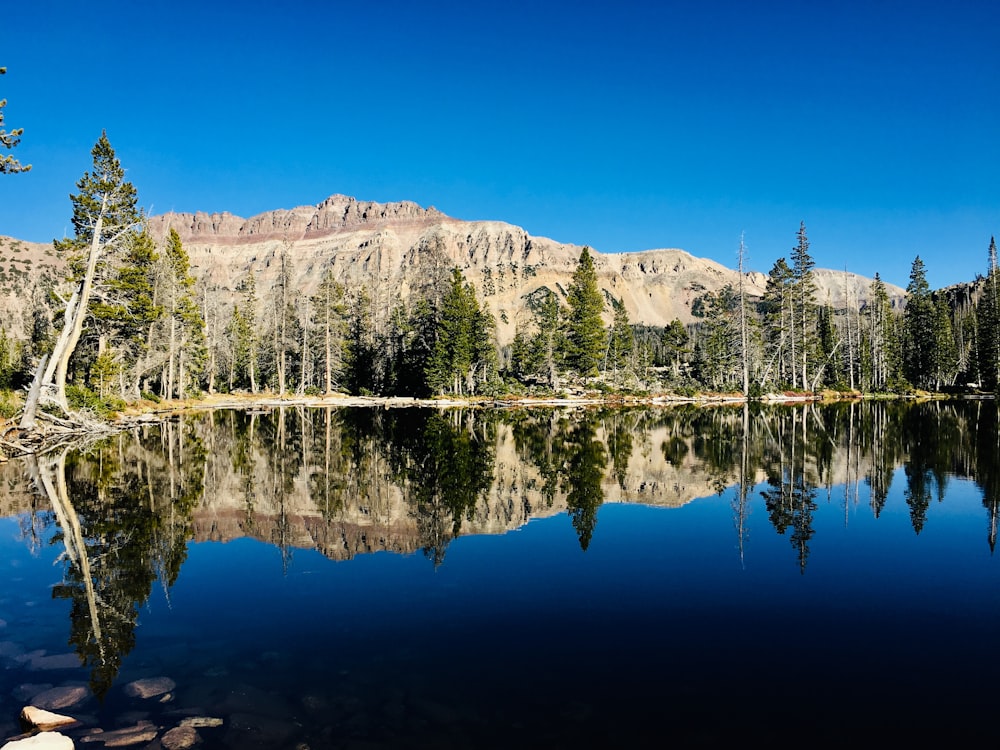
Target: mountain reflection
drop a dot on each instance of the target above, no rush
(347, 481)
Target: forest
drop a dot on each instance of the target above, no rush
(130, 321)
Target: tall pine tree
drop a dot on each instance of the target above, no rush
(988, 324)
(586, 334)
(919, 321)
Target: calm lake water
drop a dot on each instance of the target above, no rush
(377, 578)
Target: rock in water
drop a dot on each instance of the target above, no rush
(42, 719)
(149, 687)
(61, 697)
(42, 741)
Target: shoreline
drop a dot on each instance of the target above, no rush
(148, 411)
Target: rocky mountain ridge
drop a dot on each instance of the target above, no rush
(388, 247)
(391, 248)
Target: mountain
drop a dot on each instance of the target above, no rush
(393, 247)
(390, 247)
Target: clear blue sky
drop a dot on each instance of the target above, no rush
(622, 125)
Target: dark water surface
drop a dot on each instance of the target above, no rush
(369, 578)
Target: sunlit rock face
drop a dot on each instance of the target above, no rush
(396, 247)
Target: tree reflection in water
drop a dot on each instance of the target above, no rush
(123, 508)
(352, 480)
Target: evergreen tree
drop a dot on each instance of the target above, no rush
(945, 351)
(242, 332)
(329, 321)
(361, 352)
(675, 345)
(884, 357)
(718, 364)
(586, 335)
(9, 139)
(778, 328)
(106, 222)
(185, 334)
(804, 311)
(125, 316)
(919, 322)
(464, 343)
(621, 342)
(549, 344)
(988, 325)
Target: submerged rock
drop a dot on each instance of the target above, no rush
(144, 731)
(201, 721)
(42, 741)
(150, 687)
(42, 719)
(180, 738)
(61, 697)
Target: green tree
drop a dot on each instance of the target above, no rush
(884, 358)
(621, 342)
(125, 316)
(804, 309)
(586, 334)
(185, 335)
(361, 350)
(776, 309)
(9, 139)
(919, 321)
(463, 354)
(106, 223)
(945, 350)
(988, 324)
(675, 345)
(329, 319)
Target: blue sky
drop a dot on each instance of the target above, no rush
(621, 125)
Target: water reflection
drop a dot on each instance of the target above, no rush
(351, 481)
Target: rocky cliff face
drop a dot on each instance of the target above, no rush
(390, 248)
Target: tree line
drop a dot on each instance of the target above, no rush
(130, 320)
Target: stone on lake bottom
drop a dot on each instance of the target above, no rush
(61, 697)
(201, 721)
(141, 732)
(42, 741)
(149, 687)
(42, 719)
(180, 738)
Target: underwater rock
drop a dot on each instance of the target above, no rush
(61, 697)
(44, 720)
(42, 741)
(150, 687)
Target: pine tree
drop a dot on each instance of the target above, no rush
(944, 352)
(360, 351)
(106, 222)
(883, 352)
(804, 315)
(329, 320)
(778, 327)
(621, 342)
(8, 140)
(185, 335)
(919, 328)
(586, 335)
(988, 324)
(464, 342)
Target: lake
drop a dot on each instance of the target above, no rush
(556, 577)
